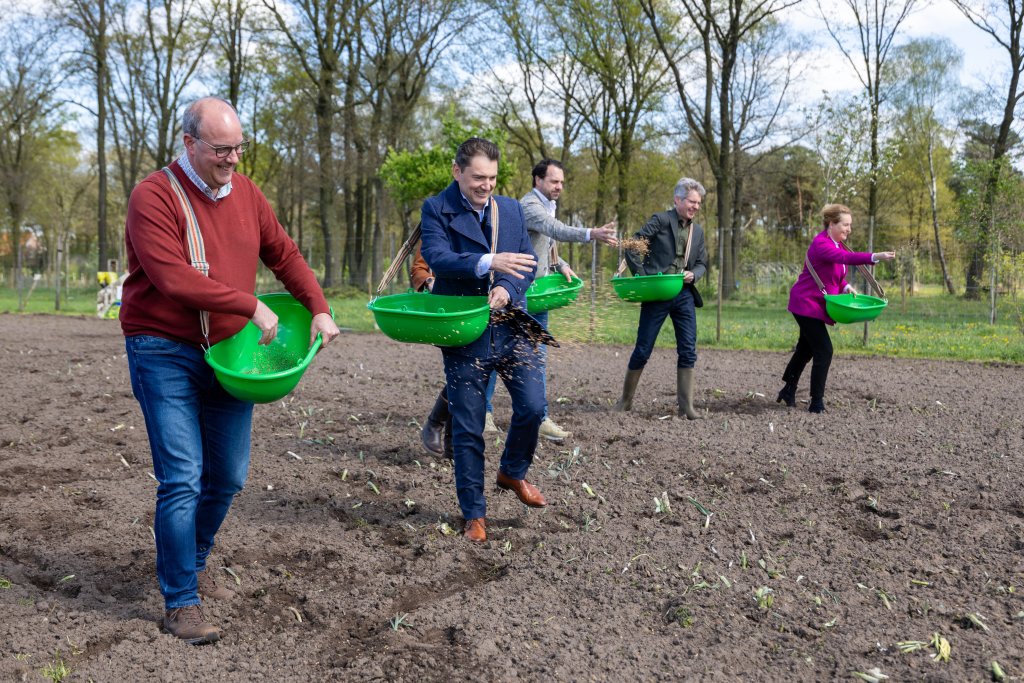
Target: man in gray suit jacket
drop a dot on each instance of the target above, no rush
(675, 245)
(545, 230)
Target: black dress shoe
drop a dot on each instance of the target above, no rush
(787, 395)
(432, 436)
(817, 405)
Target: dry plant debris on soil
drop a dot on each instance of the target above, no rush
(879, 541)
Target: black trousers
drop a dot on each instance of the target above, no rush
(814, 345)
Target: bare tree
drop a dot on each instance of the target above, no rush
(765, 69)
(517, 98)
(91, 21)
(537, 101)
(401, 46)
(233, 30)
(1003, 21)
(874, 25)
(323, 36)
(130, 117)
(623, 67)
(29, 79)
(176, 42)
(708, 90)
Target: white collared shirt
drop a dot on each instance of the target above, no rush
(186, 166)
(550, 204)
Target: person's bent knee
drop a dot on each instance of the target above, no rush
(532, 412)
(638, 361)
(233, 485)
(179, 490)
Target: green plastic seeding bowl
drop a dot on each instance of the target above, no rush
(263, 374)
(847, 308)
(660, 287)
(425, 318)
(552, 291)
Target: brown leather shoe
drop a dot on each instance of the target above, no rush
(209, 588)
(189, 624)
(476, 530)
(432, 436)
(527, 493)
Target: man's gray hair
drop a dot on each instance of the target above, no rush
(191, 119)
(687, 185)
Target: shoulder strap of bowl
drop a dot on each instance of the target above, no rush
(494, 232)
(814, 273)
(689, 242)
(194, 237)
(868, 276)
(399, 259)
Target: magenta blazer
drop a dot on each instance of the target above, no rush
(829, 261)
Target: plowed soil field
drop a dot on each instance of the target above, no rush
(761, 543)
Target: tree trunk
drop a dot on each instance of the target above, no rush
(736, 243)
(933, 197)
(101, 135)
(325, 150)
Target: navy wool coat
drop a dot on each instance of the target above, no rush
(454, 240)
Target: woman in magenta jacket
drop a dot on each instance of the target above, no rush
(830, 258)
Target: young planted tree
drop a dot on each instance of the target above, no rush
(985, 218)
(927, 69)
(412, 176)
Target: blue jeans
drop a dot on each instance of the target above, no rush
(492, 381)
(516, 362)
(652, 317)
(199, 437)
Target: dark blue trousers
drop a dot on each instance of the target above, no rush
(520, 368)
(542, 318)
(684, 320)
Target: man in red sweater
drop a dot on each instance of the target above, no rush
(198, 434)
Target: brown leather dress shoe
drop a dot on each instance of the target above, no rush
(527, 493)
(476, 530)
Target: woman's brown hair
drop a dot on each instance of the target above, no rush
(831, 213)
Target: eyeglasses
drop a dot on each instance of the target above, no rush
(224, 151)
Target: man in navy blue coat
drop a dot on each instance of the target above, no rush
(472, 256)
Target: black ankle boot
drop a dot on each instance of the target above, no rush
(788, 395)
(817, 405)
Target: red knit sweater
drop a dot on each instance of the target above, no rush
(163, 293)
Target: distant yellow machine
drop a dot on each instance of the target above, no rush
(106, 277)
(108, 299)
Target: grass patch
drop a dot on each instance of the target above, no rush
(930, 324)
(77, 301)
